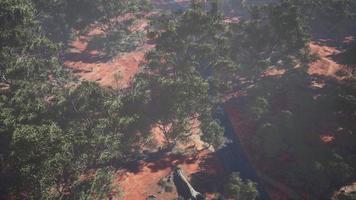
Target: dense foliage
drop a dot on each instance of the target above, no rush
(64, 139)
(61, 19)
(236, 188)
(288, 115)
(59, 139)
(186, 74)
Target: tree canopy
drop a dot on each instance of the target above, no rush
(61, 138)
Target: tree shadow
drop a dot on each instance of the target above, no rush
(171, 5)
(155, 161)
(332, 36)
(170, 161)
(347, 57)
(208, 179)
(138, 161)
(86, 57)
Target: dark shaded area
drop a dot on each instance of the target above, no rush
(169, 161)
(85, 57)
(118, 38)
(233, 157)
(156, 161)
(206, 182)
(348, 57)
(333, 38)
(59, 18)
(183, 187)
(170, 5)
(288, 135)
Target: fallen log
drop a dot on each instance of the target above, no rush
(184, 188)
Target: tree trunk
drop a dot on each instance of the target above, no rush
(184, 188)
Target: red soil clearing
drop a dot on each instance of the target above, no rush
(90, 64)
(144, 181)
(327, 66)
(140, 185)
(327, 139)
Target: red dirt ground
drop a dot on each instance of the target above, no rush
(143, 182)
(327, 65)
(140, 185)
(89, 65)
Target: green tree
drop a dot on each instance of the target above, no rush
(239, 189)
(61, 18)
(188, 72)
(273, 37)
(59, 138)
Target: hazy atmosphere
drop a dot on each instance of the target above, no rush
(178, 99)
